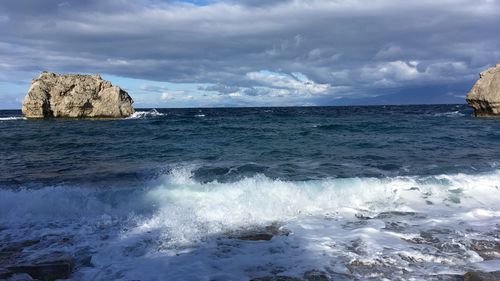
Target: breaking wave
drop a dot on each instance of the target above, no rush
(176, 219)
(450, 114)
(146, 114)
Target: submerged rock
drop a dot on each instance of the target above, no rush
(482, 276)
(57, 265)
(21, 277)
(18, 246)
(316, 275)
(488, 250)
(75, 96)
(276, 278)
(261, 233)
(11, 253)
(256, 237)
(5, 273)
(485, 94)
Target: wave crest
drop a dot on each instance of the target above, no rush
(11, 118)
(153, 113)
(450, 114)
(336, 224)
(256, 200)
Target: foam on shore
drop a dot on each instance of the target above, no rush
(178, 227)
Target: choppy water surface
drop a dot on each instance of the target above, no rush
(358, 193)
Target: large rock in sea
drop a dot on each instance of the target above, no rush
(75, 96)
(485, 94)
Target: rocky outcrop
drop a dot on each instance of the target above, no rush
(53, 266)
(485, 95)
(75, 96)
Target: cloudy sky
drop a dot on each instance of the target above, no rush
(254, 52)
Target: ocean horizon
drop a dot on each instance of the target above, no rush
(17, 111)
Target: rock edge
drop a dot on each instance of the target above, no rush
(484, 96)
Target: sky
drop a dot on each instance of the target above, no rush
(220, 53)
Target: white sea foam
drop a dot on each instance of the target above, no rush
(178, 228)
(146, 114)
(10, 118)
(450, 114)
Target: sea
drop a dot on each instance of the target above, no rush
(340, 193)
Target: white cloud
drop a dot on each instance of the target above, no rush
(296, 82)
(117, 62)
(175, 94)
(166, 96)
(389, 73)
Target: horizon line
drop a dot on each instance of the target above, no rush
(285, 106)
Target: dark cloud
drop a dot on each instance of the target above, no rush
(362, 46)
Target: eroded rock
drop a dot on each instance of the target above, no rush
(261, 233)
(18, 246)
(488, 250)
(316, 275)
(21, 277)
(75, 96)
(482, 276)
(57, 265)
(484, 96)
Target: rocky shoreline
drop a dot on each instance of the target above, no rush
(20, 261)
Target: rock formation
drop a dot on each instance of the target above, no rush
(75, 96)
(485, 95)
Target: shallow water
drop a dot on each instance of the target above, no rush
(359, 193)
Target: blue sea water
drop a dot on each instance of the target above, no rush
(230, 144)
(363, 193)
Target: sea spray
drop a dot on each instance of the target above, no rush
(340, 220)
